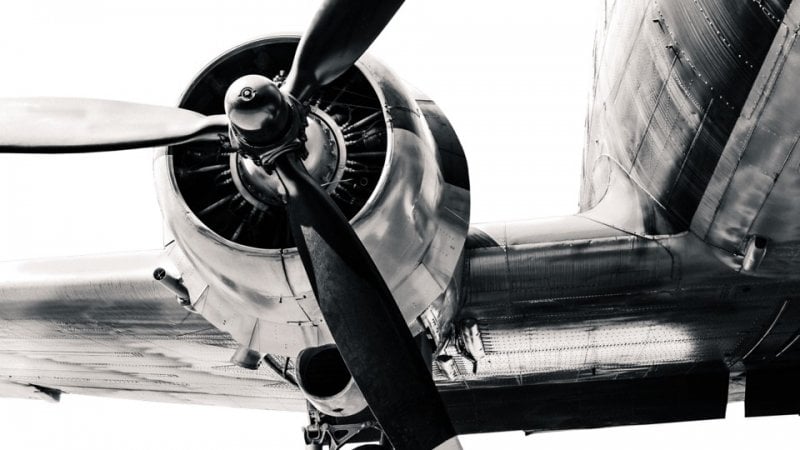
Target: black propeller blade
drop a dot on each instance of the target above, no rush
(339, 34)
(363, 318)
(362, 315)
(71, 125)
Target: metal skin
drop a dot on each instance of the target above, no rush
(691, 121)
(413, 225)
(754, 189)
(597, 303)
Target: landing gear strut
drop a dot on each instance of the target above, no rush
(327, 432)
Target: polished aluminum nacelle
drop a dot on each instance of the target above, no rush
(414, 225)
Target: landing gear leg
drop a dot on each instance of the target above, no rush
(326, 432)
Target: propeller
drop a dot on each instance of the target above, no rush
(363, 318)
(339, 34)
(73, 125)
(266, 123)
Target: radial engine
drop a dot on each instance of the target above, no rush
(385, 154)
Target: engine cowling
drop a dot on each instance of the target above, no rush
(386, 155)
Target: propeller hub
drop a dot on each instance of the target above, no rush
(325, 163)
(258, 111)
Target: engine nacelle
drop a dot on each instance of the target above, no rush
(386, 155)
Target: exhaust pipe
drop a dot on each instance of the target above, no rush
(327, 384)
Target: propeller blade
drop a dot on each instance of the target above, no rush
(369, 330)
(338, 35)
(71, 125)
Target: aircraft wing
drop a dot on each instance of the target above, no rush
(101, 325)
(754, 189)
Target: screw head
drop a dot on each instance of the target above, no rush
(247, 94)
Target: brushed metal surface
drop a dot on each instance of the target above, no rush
(754, 188)
(101, 325)
(568, 299)
(671, 78)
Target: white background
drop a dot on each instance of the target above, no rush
(513, 77)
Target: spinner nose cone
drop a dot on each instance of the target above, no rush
(257, 109)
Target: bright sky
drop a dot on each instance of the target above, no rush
(512, 76)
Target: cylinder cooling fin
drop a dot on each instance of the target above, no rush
(239, 200)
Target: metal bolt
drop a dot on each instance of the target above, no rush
(247, 94)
